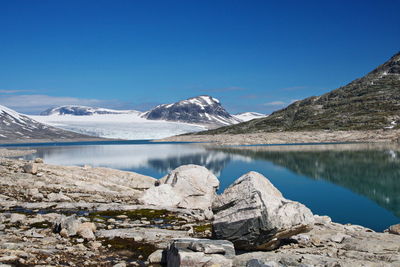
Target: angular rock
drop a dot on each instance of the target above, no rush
(86, 230)
(395, 229)
(38, 160)
(189, 186)
(158, 256)
(67, 226)
(30, 168)
(200, 252)
(254, 215)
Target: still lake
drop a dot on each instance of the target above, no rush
(351, 183)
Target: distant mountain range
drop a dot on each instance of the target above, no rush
(203, 110)
(83, 111)
(15, 126)
(371, 102)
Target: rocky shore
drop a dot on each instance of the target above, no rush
(83, 216)
(290, 137)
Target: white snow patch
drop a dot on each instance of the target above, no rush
(247, 116)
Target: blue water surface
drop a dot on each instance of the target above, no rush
(351, 183)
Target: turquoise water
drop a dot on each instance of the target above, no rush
(352, 183)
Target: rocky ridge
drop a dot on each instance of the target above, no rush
(367, 103)
(84, 111)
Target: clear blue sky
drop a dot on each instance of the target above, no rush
(252, 55)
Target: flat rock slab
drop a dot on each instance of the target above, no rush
(200, 252)
(158, 237)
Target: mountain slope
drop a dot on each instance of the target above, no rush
(200, 110)
(84, 111)
(15, 127)
(371, 102)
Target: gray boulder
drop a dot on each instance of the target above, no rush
(30, 168)
(67, 225)
(254, 215)
(187, 252)
(189, 187)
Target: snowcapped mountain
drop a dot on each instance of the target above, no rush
(15, 127)
(204, 110)
(84, 110)
(248, 116)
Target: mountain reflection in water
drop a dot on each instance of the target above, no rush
(370, 170)
(352, 183)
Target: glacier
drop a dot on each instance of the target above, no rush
(119, 126)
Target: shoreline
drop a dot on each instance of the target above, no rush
(282, 138)
(20, 142)
(118, 228)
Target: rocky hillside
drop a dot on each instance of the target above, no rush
(371, 102)
(199, 110)
(83, 111)
(15, 127)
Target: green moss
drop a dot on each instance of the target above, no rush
(149, 214)
(202, 228)
(128, 247)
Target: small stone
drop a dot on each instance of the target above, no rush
(86, 233)
(111, 220)
(138, 238)
(122, 216)
(64, 233)
(95, 245)
(120, 264)
(258, 263)
(38, 160)
(157, 256)
(30, 168)
(80, 240)
(338, 238)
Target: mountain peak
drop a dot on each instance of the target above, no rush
(203, 109)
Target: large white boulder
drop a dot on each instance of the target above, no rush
(254, 215)
(189, 187)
